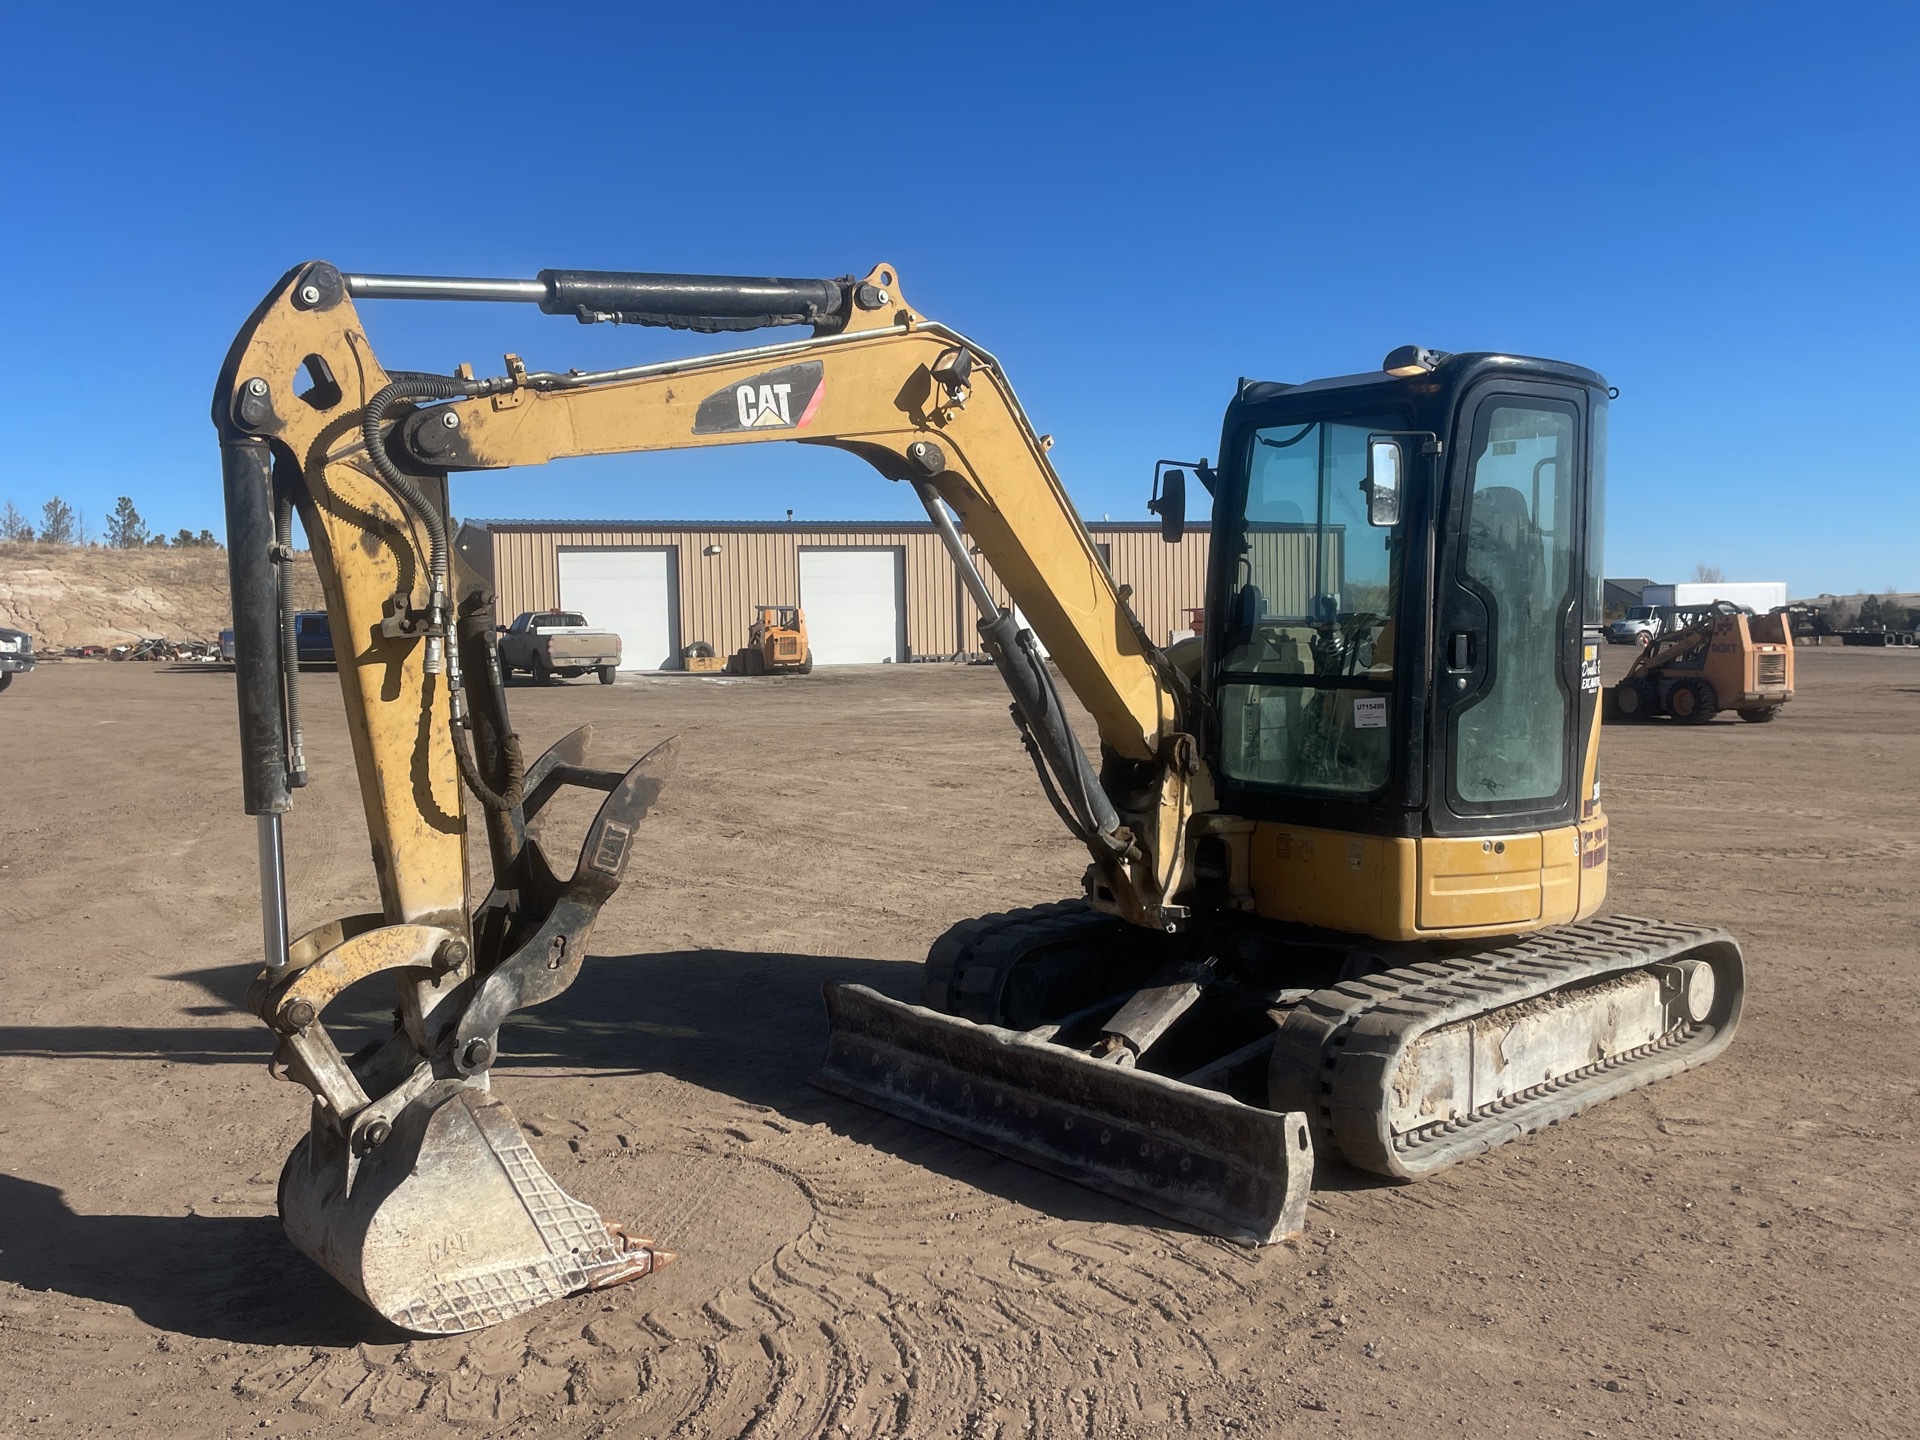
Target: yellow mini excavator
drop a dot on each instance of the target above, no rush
(1346, 845)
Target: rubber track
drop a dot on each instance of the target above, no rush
(1337, 1054)
(967, 968)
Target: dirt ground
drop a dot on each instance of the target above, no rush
(1727, 1253)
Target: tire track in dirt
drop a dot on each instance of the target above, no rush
(854, 1323)
(1736, 1243)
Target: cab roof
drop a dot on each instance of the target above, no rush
(1453, 370)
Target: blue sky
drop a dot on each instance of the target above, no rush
(1712, 204)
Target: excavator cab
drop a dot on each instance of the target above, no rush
(1415, 671)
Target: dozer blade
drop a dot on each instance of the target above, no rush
(1192, 1154)
(452, 1223)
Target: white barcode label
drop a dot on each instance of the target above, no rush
(1370, 712)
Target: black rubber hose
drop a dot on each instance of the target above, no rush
(500, 801)
(1060, 807)
(411, 386)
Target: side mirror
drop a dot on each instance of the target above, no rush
(1383, 481)
(500, 629)
(1170, 504)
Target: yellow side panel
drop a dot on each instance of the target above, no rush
(1399, 889)
(1364, 884)
(1560, 859)
(1490, 880)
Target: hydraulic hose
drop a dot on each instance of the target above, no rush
(500, 801)
(412, 386)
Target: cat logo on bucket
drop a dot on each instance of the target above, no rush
(783, 399)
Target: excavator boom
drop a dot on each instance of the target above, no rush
(406, 1146)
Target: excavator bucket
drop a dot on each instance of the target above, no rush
(414, 1186)
(1189, 1153)
(452, 1224)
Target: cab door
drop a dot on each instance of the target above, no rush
(1505, 715)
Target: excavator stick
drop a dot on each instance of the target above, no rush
(1189, 1153)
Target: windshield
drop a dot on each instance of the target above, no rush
(1308, 652)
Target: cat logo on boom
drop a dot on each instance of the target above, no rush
(783, 399)
(764, 408)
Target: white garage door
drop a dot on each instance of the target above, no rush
(628, 591)
(853, 600)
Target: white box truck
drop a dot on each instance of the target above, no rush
(1759, 596)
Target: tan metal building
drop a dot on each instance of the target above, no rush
(873, 591)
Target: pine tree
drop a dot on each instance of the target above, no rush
(13, 525)
(57, 523)
(125, 529)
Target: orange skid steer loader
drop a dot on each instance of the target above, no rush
(776, 643)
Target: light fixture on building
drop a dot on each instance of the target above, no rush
(711, 550)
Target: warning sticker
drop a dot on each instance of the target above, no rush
(1370, 712)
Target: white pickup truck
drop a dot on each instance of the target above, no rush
(1638, 627)
(16, 655)
(549, 644)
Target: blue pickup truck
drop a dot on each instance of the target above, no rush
(313, 636)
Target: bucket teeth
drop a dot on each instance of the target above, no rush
(452, 1223)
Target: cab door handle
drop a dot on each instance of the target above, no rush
(1460, 649)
